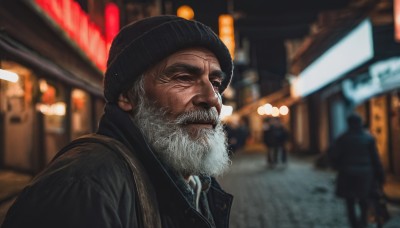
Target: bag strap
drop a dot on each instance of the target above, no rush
(147, 201)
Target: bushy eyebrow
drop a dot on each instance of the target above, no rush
(183, 67)
(218, 74)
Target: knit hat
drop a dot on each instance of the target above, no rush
(144, 43)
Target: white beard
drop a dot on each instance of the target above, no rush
(203, 152)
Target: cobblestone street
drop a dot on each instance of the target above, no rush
(293, 196)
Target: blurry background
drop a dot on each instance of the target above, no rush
(308, 62)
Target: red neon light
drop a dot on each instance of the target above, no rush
(111, 21)
(396, 13)
(76, 23)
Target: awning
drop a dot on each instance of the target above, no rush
(19, 54)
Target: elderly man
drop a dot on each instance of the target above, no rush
(159, 143)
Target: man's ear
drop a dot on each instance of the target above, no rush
(124, 103)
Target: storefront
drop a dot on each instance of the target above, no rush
(18, 116)
(58, 92)
(320, 116)
(364, 79)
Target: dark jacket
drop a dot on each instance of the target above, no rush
(356, 159)
(92, 186)
(275, 136)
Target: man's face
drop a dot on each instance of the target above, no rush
(186, 81)
(177, 111)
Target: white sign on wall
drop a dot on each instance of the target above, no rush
(381, 77)
(350, 52)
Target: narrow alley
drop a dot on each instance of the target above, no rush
(295, 195)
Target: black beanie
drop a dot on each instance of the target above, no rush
(144, 43)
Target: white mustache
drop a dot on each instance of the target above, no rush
(199, 116)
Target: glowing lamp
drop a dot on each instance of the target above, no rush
(261, 111)
(283, 110)
(275, 111)
(186, 12)
(268, 109)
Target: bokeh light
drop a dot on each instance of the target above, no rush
(283, 110)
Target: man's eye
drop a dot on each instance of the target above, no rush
(184, 78)
(216, 84)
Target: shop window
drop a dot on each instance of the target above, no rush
(16, 95)
(16, 116)
(52, 105)
(80, 119)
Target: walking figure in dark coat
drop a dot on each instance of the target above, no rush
(354, 155)
(275, 137)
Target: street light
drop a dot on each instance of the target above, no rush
(261, 111)
(275, 112)
(283, 110)
(186, 12)
(268, 108)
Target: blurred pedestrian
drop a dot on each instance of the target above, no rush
(242, 133)
(231, 133)
(237, 132)
(275, 137)
(354, 155)
(159, 144)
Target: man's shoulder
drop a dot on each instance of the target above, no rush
(87, 161)
(76, 187)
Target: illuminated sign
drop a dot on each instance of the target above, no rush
(350, 52)
(396, 13)
(76, 23)
(111, 22)
(227, 32)
(382, 76)
(8, 76)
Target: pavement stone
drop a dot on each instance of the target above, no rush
(392, 189)
(295, 195)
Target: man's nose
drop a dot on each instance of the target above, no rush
(207, 97)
